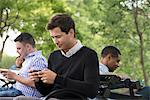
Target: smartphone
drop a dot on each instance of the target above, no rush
(36, 70)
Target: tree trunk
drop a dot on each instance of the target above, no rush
(1, 52)
(141, 41)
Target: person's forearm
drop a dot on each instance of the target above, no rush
(25, 81)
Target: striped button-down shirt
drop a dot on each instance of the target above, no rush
(34, 61)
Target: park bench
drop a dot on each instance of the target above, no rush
(107, 83)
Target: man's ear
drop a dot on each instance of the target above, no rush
(108, 56)
(28, 46)
(71, 32)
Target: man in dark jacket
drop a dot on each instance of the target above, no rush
(72, 66)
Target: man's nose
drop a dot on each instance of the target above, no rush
(117, 64)
(55, 40)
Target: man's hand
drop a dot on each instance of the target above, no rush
(9, 74)
(33, 74)
(47, 76)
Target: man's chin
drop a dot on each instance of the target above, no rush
(59, 48)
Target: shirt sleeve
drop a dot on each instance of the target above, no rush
(39, 63)
(44, 89)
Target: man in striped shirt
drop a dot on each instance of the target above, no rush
(34, 60)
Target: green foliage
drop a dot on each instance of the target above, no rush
(7, 61)
(98, 23)
(110, 23)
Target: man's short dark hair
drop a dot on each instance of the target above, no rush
(110, 50)
(63, 21)
(26, 38)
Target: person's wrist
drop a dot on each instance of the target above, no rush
(59, 79)
(54, 77)
(15, 76)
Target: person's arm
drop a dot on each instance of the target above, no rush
(14, 76)
(88, 87)
(38, 64)
(44, 88)
(25, 81)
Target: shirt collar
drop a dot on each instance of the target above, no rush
(103, 69)
(33, 54)
(73, 50)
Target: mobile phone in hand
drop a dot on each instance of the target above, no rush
(36, 70)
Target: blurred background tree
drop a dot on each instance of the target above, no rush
(122, 23)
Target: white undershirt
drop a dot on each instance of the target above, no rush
(103, 69)
(73, 50)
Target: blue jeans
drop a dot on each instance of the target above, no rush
(9, 92)
(145, 92)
